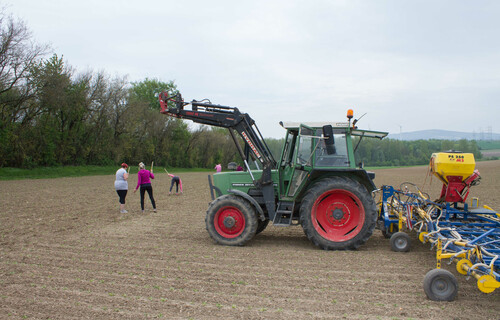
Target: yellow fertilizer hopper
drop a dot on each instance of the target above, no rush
(457, 172)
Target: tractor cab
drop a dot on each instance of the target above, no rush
(315, 148)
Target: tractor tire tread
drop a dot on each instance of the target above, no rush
(250, 220)
(340, 183)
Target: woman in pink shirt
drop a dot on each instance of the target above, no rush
(218, 168)
(143, 181)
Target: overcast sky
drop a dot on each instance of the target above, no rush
(410, 65)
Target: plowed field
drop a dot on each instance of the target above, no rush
(67, 253)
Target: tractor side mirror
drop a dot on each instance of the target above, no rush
(329, 142)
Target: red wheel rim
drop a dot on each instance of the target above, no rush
(229, 222)
(338, 215)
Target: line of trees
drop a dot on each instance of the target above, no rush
(50, 115)
(390, 152)
(90, 118)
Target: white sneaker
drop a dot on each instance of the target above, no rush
(154, 210)
(123, 211)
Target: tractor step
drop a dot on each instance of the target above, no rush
(284, 214)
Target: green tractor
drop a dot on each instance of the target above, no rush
(316, 182)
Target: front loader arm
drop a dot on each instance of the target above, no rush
(220, 116)
(204, 112)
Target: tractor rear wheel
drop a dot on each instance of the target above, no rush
(338, 214)
(231, 220)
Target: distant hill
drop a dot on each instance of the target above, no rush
(443, 135)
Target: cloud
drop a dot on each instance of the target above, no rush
(419, 65)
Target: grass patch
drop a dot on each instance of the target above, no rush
(81, 171)
(393, 167)
(77, 171)
(488, 144)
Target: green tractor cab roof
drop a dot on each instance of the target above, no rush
(317, 124)
(354, 130)
(369, 133)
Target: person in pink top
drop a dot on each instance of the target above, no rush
(218, 167)
(144, 182)
(178, 183)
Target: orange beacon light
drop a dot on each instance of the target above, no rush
(350, 114)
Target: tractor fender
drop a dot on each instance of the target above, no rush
(251, 200)
(360, 176)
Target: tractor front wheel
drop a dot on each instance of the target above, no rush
(338, 214)
(231, 220)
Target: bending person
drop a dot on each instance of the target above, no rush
(178, 183)
(143, 181)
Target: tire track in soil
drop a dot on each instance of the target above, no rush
(67, 261)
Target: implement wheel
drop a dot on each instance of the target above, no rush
(231, 220)
(400, 242)
(440, 285)
(338, 214)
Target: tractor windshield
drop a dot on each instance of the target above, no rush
(338, 159)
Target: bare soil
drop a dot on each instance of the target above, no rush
(67, 253)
